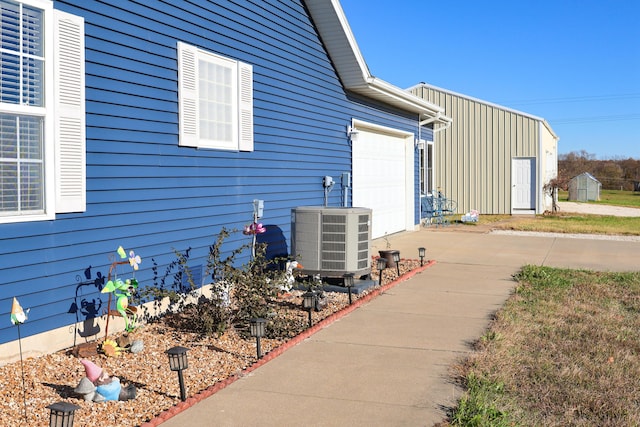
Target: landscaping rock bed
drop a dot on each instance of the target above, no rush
(52, 378)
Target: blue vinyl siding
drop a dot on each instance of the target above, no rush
(146, 193)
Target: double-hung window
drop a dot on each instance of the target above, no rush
(216, 100)
(426, 167)
(41, 111)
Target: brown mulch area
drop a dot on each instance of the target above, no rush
(52, 378)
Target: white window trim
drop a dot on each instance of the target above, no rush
(45, 111)
(242, 140)
(64, 141)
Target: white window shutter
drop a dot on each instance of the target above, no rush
(188, 94)
(69, 113)
(245, 106)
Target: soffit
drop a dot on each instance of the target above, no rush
(334, 30)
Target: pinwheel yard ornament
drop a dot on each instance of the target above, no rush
(254, 228)
(134, 260)
(18, 315)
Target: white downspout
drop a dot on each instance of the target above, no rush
(540, 166)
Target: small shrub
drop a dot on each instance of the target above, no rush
(237, 293)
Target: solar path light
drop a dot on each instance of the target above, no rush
(396, 259)
(421, 254)
(382, 264)
(257, 326)
(348, 282)
(308, 302)
(178, 362)
(62, 414)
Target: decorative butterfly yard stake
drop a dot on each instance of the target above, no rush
(122, 290)
(18, 316)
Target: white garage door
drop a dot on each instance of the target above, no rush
(383, 178)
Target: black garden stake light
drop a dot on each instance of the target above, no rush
(62, 414)
(348, 282)
(396, 259)
(178, 362)
(256, 326)
(421, 254)
(382, 264)
(308, 302)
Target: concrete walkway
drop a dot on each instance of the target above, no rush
(388, 363)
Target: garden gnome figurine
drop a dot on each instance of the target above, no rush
(98, 386)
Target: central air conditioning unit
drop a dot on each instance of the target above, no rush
(332, 241)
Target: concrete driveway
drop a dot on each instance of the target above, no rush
(388, 363)
(591, 208)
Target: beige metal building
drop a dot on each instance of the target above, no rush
(491, 159)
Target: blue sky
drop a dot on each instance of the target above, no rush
(576, 63)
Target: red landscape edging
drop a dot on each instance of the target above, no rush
(182, 406)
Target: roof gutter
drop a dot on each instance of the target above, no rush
(412, 102)
(337, 37)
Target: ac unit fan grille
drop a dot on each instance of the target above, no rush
(333, 247)
(334, 219)
(329, 265)
(333, 256)
(333, 237)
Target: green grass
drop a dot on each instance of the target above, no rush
(611, 197)
(576, 223)
(562, 222)
(563, 351)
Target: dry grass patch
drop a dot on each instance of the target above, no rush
(564, 351)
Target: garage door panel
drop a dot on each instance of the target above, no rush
(379, 180)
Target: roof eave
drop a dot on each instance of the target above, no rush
(334, 30)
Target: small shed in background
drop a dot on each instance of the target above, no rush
(584, 187)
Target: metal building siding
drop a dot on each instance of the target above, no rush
(146, 193)
(473, 157)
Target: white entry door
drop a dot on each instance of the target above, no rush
(383, 177)
(523, 183)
